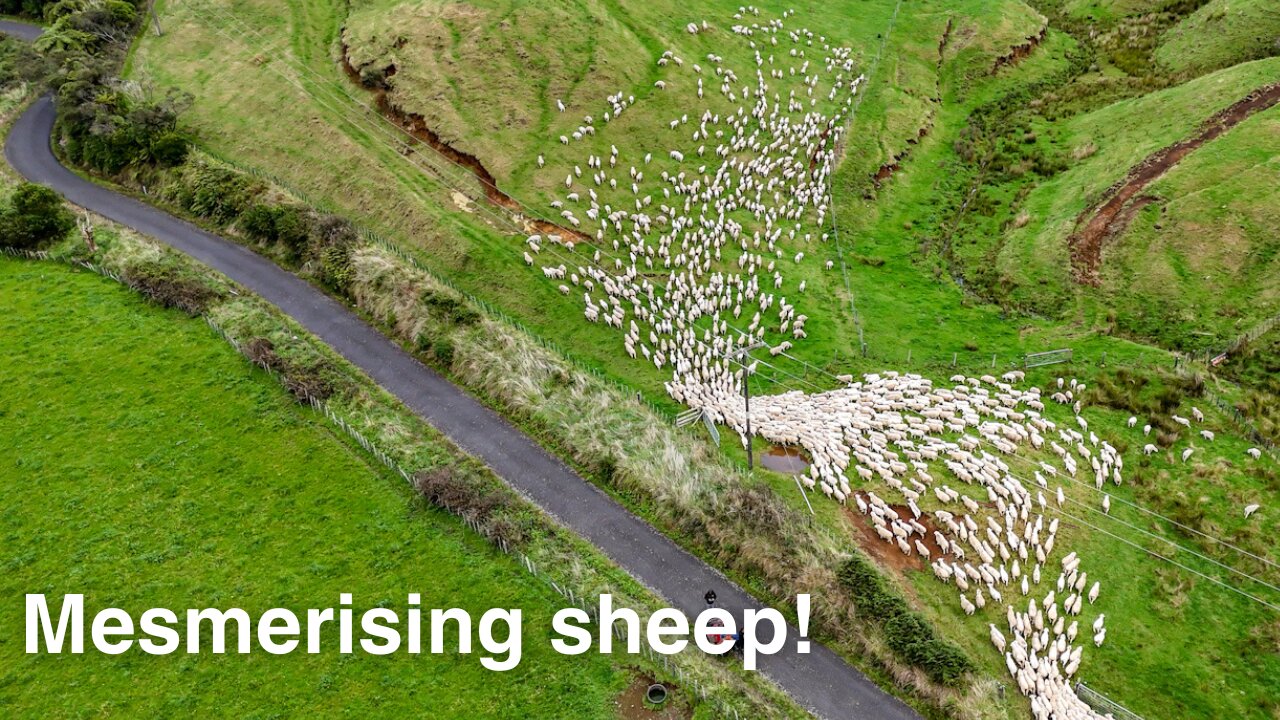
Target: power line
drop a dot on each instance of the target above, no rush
(1153, 513)
(1170, 542)
(1168, 560)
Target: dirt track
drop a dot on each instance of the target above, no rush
(1111, 215)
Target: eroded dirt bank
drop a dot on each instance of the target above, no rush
(416, 126)
(1120, 203)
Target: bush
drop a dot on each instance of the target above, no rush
(167, 287)
(442, 351)
(285, 224)
(34, 217)
(212, 192)
(908, 634)
(871, 596)
(332, 241)
(449, 307)
(912, 638)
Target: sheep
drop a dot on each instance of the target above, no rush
(1254, 453)
(1251, 509)
(1207, 435)
(1187, 453)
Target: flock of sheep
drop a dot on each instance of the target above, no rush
(690, 265)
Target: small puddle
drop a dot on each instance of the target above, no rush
(783, 459)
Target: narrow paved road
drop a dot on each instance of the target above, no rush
(20, 30)
(819, 680)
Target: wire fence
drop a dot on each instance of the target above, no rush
(1103, 704)
(1256, 332)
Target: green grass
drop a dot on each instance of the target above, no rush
(147, 465)
(1220, 34)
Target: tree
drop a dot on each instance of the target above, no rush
(34, 216)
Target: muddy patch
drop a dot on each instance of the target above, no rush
(784, 459)
(887, 170)
(630, 703)
(887, 553)
(1109, 217)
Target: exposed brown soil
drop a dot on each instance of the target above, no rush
(630, 703)
(888, 169)
(1019, 52)
(887, 553)
(946, 38)
(416, 126)
(1111, 215)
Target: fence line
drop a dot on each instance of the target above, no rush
(1103, 704)
(1256, 332)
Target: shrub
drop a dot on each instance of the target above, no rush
(908, 634)
(215, 193)
(871, 596)
(34, 216)
(443, 352)
(167, 287)
(259, 222)
(333, 239)
(285, 224)
(450, 307)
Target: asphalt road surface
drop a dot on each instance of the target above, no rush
(819, 680)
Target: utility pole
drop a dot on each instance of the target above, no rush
(746, 401)
(746, 393)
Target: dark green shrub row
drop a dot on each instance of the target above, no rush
(908, 634)
(319, 242)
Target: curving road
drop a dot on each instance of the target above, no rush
(820, 680)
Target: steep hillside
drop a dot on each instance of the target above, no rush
(1221, 34)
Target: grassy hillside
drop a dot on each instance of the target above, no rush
(1200, 278)
(167, 473)
(306, 126)
(1220, 34)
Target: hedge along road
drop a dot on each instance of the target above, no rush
(819, 680)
